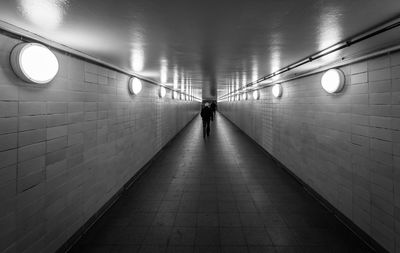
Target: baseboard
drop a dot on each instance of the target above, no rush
(349, 224)
(95, 217)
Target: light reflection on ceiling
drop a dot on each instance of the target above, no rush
(164, 71)
(137, 58)
(46, 14)
(210, 44)
(176, 78)
(330, 30)
(254, 71)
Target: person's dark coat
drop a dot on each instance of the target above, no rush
(213, 107)
(206, 113)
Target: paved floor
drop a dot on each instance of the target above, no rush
(222, 194)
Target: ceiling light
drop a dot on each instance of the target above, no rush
(162, 92)
(34, 63)
(333, 81)
(135, 85)
(277, 90)
(256, 94)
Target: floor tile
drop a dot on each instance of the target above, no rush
(232, 237)
(183, 236)
(158, 235)
(257, 236)
(207, 236)
(207, 219)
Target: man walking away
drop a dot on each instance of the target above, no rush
(206, 115)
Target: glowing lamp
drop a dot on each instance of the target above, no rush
(34, 63)
(135, 85)
(175, 95)
(256, 94)
(333, 81)
(244, 96)
(162, 92)
(277, 90)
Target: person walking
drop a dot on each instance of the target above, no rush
(206, 115)
(213, 109)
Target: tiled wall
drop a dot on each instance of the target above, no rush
(66, 148)
(345, 146)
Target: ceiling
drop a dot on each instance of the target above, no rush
(205, 44)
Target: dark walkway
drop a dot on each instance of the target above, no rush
(219, 195)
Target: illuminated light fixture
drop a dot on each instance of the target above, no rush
(34, 63)
(175, 95)
(333, 81)
(244, 96)
(277, 90)
(135, 85)
(162, 92)
(256, 94)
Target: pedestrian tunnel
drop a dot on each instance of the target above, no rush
(102, 146)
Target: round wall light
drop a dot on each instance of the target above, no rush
(135, 85)
(277, 90)
(256, 94)
(332, 81)
(162, 92)
(244, 96)
(34, 63)
(175, 95)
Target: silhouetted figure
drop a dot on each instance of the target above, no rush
(206, 115)
(213, 109)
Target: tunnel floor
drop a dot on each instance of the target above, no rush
(221, 194)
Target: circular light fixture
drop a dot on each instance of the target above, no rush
(244, 96)
(135, 85)
(256, 94)
(333, 81)
(175, 95)
(162, 92)
(34, 63)
(277, 90)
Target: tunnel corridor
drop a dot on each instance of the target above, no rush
(101, 144)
